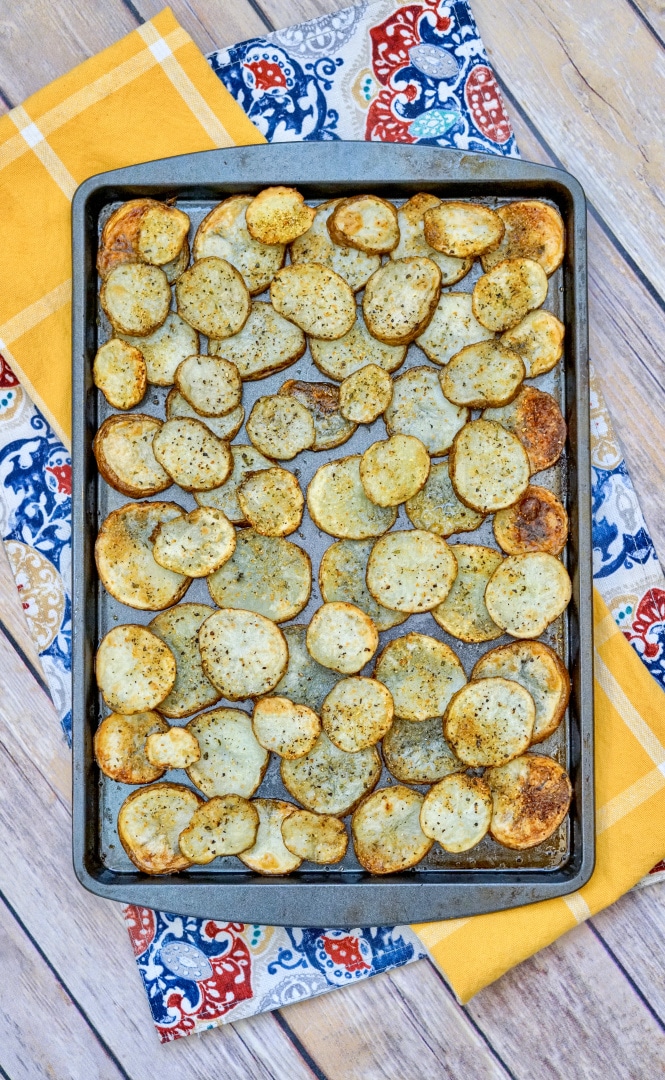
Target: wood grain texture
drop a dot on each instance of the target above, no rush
(654, 13)
(211, 23)
(634, 930)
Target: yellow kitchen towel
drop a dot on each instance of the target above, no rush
(151, 95)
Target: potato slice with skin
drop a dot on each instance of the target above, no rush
(196, 544)
(119, 371)
(400, 299)
(316, 246)
(134, 669)
(540, 671)
(536, 419)
(489, 721)
(452, 328)
(489, 467)
(322, 400)
(342, 577)
(327, 780)
(120, 234)
(457, 812)
(223, 233)
(213, 298)
(483, 375)
(166, 348)
(337, 502)
(528, 592)
(143, 230)
(342, 637)
(386, 831)
(538, 339)
(357, 713)
(422, 675)
(224, 825)
(125, 561)
(315, 298)
(304, 682)
(268, 855)
(162, 232)
(120, 747)
(278, 215)
(365, 394)
(173, 749)
(536, 522)
(531, 796)
(243, 653)
(232, 762)
(437, 509)
(210, 384)
(150, 822)
(266, 574)
(502, 297)
(189, 452)
(224, 427)
(267, 343)
(394, 469)
(288, 729)
(318, 838)
(411, 570)
(463, 613)
(272, 502)
(366, 222)
(280, 427)
(124, 455)
(339, 359)
(463, 228)
(418, 753)
(534, 230)
(246, 459)
(178, 627)
(412, 240)
(420, 408)
(136, 298)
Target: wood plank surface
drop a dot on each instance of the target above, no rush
(211, 23)
(654, 13)
(634, 930)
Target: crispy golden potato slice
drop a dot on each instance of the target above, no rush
(189, 452)
(422, 675)
(394, 469)
(400, 298)
(483, 375)
(246, 460)
(412, 240)
(173, 749)
(534, 230)
(243, 653)
(120, 747)
(278, 215)
(457, 812)
(536, 419)
(149, 824)
(327, 780)
(223, 234)
(316, 246)
(315, 298)
(437, 509)
(288, 729)
(502, 296)
(342, 577)
(339, 359)
(452, 328)
(411, 570)
(337, 502)
(119, 371)
(536, 522)
(269, 856)
(528, 592)
(366, 394)
(342, 637)
(463, 228)
(419, 408)
(136, 298)
(357, 713)
(195, 544)
(210, 384)
(225, 825)
(322, 400)
(265, 574)
(271, 501)
(135, 670)
(489, 721)
(463, 613)
(267, 343)
(177, 266)
(118, 242)
(304, 682)
(166, 348)
(318, 838)
(540, 671)
(224, 427)
(124, 455)
(418, 753)
(162, 233)
(366, 222)
(531, 796)
(125, 562)
(386, 831)
(280, 427)
(178, 627)
(538, 339)
(489, 467)
(232, 762)
(213, 298)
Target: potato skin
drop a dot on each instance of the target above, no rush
(531, 796)
(536, 522)
(106, 470)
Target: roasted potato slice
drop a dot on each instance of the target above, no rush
(357, 713)
(412, 240)
(386, 831)
(534, 230)
(271, 501)
(118, 242)
(411, 570)
(420, 408)
(366, 394)
(531, 796)
(457, 812)
(120, 747)
(437, 509)
(315, 298)
(179, 629)
(366, 222)
(225, 825)
(337, 502)
(288, 729)
(502, 296)
(327, 780)
(322, 400)
(528, 592)
(224, 427)
(246, 460)
(462, 228)
(342, 577)
(173, 749)
(150, 822)
(195, 544)
(536, 419)
(278, 215)
(400, 298)
(339, 359)
(124, 455)
(489, 467)
(318, 838)
(418, 753)
(232, 762)
(135, 670)
(243, 653)
(269, 856)
(305, 682)
(452, 328)
(223, 234)
(489, 721)
(267, 343)
(213, 298)
(265, 574)
(192, 456)
(342, 637)
(394, 469)
(162, 233)
(463, 613)
(136, 298)
(483, 375)
(210, 384)
(125, 562)
(166, 348)
(540, 671)
(316, 246)
(119, 371)
(177, 266)
(538, 339)
(422, 675)
(280, 427)
(536, 522)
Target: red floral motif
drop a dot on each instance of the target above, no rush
(229, 984)
(382, 124)
(344, 952)
(650, 613)
(7, 376)
(658, 868)
(484, 100)
(266, 75)
(63, 477)
(392, 39)
(140, 923)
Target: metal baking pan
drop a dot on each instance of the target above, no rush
(489, 877)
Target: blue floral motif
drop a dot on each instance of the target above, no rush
(620, 539)
(344, 955)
